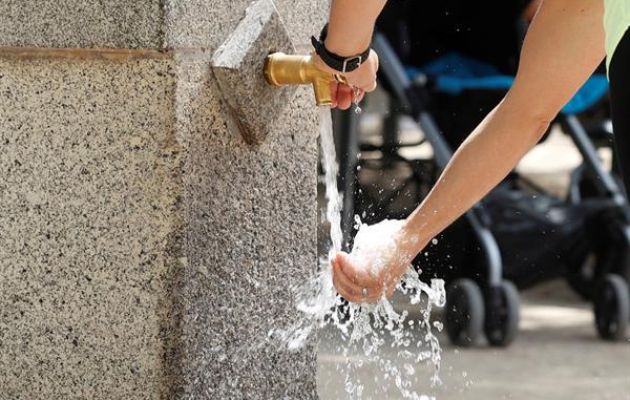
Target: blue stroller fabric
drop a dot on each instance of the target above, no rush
(454, 73)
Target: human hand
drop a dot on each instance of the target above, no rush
(367, 278)
(362, 78)
(354, 281)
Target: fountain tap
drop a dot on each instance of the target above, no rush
(282, 69)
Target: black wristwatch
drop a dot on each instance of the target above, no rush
(335, 61)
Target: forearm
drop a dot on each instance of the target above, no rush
(563, 46)
(483, 160)
(351, 25)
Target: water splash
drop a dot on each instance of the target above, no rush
(331, 170)
(364, 327)
(355, 100)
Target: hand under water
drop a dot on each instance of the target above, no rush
(362, 78)
(351, 275)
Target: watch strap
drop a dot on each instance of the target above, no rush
(335, 61)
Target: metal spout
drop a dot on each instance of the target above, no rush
(282, 69)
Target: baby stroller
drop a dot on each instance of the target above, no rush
(518, 236)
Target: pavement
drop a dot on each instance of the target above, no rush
(557, 356)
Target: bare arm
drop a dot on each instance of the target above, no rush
(530, 10)
(351, 25)
(564, 45)
(350, 29)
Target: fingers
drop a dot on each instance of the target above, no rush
(367, 84)
(353, 293)
(363, 79)
(333, 92)
(358, 276)
(390, 288)
(344, 96)
(357, 285)
(348, 291)
(360, 95)
(364, 82)
(365, 76)
(368, 291)
(344, 285)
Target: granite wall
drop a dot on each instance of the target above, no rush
(146, 246)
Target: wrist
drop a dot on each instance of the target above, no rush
(413, 239)
(351, 36)
(346, 48)
(340, 58)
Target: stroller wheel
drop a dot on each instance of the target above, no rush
(503, 315)
(464, 312)
(612, 307)
(581, 278)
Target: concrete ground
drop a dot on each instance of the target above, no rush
(556, 356)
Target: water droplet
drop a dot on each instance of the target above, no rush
(356, 93)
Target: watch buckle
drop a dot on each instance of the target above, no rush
(359, 60)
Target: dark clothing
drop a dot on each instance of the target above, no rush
(619, 75)
(486, 30)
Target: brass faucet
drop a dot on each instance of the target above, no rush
(282, 69)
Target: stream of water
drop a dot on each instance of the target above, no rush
(365, 329)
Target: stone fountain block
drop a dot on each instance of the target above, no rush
(82, 24)
(89, 218)
(146, 250)
(238, 68)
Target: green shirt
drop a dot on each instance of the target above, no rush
(616, 22)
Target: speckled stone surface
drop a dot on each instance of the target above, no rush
(206, 24)
(303, 19)
(82, 23)
(90, 201)
(237, 65)
(146, 247)
(201, 23)
(251, 238)
(252, 229)
(143, 24)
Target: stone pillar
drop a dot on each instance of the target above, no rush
(151, 223)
